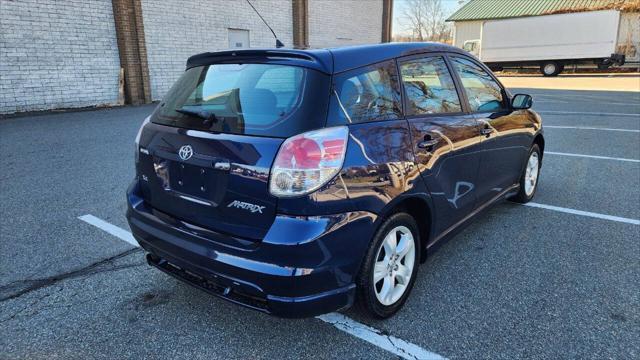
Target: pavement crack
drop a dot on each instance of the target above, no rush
(24, 308)
(20, 287)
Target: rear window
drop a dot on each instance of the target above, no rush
(252, 99)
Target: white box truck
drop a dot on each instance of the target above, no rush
(550, 41)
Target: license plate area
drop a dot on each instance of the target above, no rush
(199, 182)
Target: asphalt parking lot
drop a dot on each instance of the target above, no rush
(561, 280)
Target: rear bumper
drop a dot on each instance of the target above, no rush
(303, 267)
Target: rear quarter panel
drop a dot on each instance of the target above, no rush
(379, 167)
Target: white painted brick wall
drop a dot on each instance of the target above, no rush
(64, 54)
(175, 30)
(344, 22)
(57, 54)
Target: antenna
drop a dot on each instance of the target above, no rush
(279, 43)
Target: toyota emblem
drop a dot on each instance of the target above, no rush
(186, 152)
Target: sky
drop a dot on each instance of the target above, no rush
(450, 6)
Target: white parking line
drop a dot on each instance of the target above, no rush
(120, 233)
(584, 213)
(589, 128)
(392, 344)
(586, 113)
(579, 97)
(586, 100)
(555, 101)
(399, 347)
(591, 156)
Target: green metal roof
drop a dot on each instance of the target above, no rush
(503, 9)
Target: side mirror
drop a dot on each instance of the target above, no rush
(521, 102)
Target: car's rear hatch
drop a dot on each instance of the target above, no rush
(205, 156)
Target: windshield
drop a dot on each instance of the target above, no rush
(252, 99)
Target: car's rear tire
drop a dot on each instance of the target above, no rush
(551, 68)
(388, 272)
(529, 177)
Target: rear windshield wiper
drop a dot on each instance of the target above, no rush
(208, 117)
(201, 114)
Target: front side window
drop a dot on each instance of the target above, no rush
(484, 93)
(253, 99)
(369, 94)
(429, 87)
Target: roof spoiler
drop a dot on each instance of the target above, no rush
(284, 57)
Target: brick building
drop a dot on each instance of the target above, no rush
(66, 54)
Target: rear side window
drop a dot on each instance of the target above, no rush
(367, 94)
(484, 93)
(253, 99)
(429, 87)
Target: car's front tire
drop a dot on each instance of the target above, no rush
(390, 266)
(529, 176)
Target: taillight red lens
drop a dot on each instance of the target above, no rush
(139, 135)
(300, 153)
(333, 149)
(307, 161)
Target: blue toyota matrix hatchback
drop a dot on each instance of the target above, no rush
(299, 182)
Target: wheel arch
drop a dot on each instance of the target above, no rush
(419, 206)
(539, 140)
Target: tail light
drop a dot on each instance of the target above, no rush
(139, 135)
(308, 161)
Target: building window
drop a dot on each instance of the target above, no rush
(238, 38)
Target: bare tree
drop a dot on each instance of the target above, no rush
(425, 20)
(413, 14)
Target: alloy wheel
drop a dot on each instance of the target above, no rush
(394, 264)
(531, 174)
